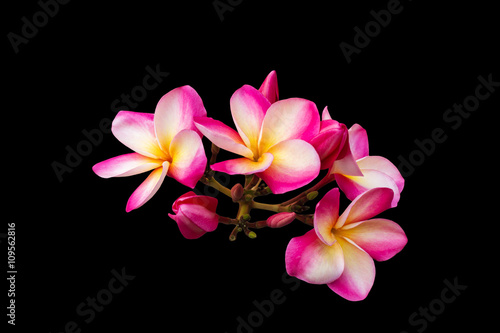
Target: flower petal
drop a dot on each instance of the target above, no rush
(190, 197)
(222, 136)
(248, 107)
(187, 228)
(326, 114)
(382, 164)
(269, 87)
(358, 276)
(311, 260)
(380, 238)
(188, 158)
(148, 188)
(345, 164)
(244, 166)
(126, 165)
(326, 215)
(366, 206)
(295, 164)
(353, 186)
(181, 199)
(293, 118)
(329, 141)
(174, 113)
(358, 140)
(205, 219)
(136, 131)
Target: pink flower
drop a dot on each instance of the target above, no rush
(356, 172)
(339, 251)
(273, 139)
(330, 139)
(195, 214)
(167, 143)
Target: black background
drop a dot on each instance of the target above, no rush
(71, 234)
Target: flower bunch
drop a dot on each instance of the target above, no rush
(282, 145)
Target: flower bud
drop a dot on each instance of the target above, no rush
(237, 192)
(312, 195)
(195, 214)
(280, 220)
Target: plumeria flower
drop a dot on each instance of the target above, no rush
(273, 139)
(269, 88)
(195, 214)
(372, 171)
(167, 143)
(339, 251)
(330, 139)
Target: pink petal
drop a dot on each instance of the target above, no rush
(345, 164)
(311, 260)
(195, 220)
(329, 141)
(358, 140)
(293, 118)
(181, 199)
(295, 164)
(244, 166)
(380, 238)
(188, 158)
(222, 136)
(125, 165)
(326, 215)
(148, 188)
(248, 107)
(187, 228)
(353, 186)
(358, 276)
(382, 164)
(269, 87)
(366, 206)
(136, 131)
(190, 197)
(326, 114)
(174, 113)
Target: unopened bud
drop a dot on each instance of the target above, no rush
(280, 220)
(237, 192)
(312, 195)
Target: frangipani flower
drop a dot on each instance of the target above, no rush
(374, 171)
(167, 143)
(195, 214)
(330, 139)
(339, 251)
(273, 139)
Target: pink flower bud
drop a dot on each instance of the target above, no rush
(280, 220)
(237, 192)
(195, 214)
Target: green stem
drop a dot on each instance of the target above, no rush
(326, 180)
(215, 184)
(273, 208)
